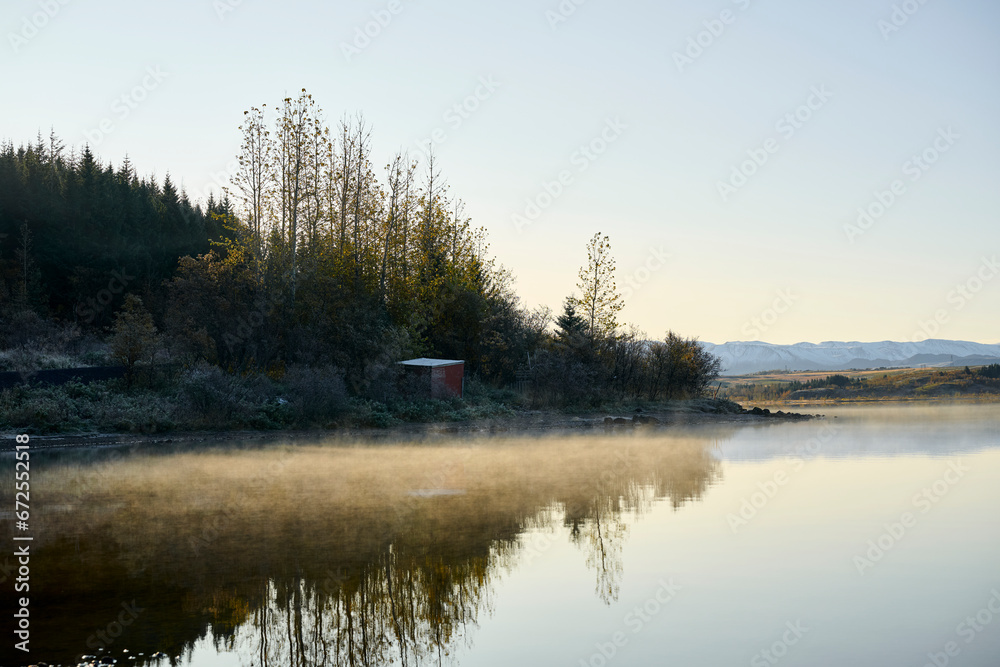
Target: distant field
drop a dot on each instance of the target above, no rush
(805, 376)
(866, 385)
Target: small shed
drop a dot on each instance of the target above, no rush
(440, 378)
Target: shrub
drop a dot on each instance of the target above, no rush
(135, 338)
(220, 399)
(142, 413)
(317, 395)
(562, 379)
(84, 407)
(371, 413)
(384, 381)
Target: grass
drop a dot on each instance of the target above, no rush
(895, 384)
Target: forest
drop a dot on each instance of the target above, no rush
(289, 297)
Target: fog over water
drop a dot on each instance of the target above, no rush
(864, 538)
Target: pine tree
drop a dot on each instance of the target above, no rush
(572, 329)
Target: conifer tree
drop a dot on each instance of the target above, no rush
(572, 329)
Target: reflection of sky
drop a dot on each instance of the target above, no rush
(793, 561)
(771, 540)
(869, 430)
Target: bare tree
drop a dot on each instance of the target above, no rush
(295, 127)
(319, 157)
(399, 175)
(255, 179)
(341, 184)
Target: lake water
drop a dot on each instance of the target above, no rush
(872, 538)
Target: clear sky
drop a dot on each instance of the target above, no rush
(731, 219)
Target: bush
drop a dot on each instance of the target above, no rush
(561, 379)
(75, 407)
(478, 392)
(22, 327)
(317, 395)
(37, 409)
(371, 413)
(135, 338)
(220, 399)
(142, 413)
(30, 343)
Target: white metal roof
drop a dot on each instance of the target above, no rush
(431, 362)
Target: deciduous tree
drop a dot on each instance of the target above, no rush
(599, 301)
(134, 336)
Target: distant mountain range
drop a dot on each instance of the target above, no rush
(741, 358)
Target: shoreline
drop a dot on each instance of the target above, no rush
(527, 422)
(524, 422)
(820, 402)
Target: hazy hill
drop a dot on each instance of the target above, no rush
(740, 358)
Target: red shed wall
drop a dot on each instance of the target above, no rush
(446, 381)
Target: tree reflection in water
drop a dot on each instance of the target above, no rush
(330, 555)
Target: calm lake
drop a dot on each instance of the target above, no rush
(871, 537)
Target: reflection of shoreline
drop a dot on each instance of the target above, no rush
(268, 539)
(876, 431)
(548, 424)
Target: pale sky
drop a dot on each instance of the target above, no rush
(776, 255)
